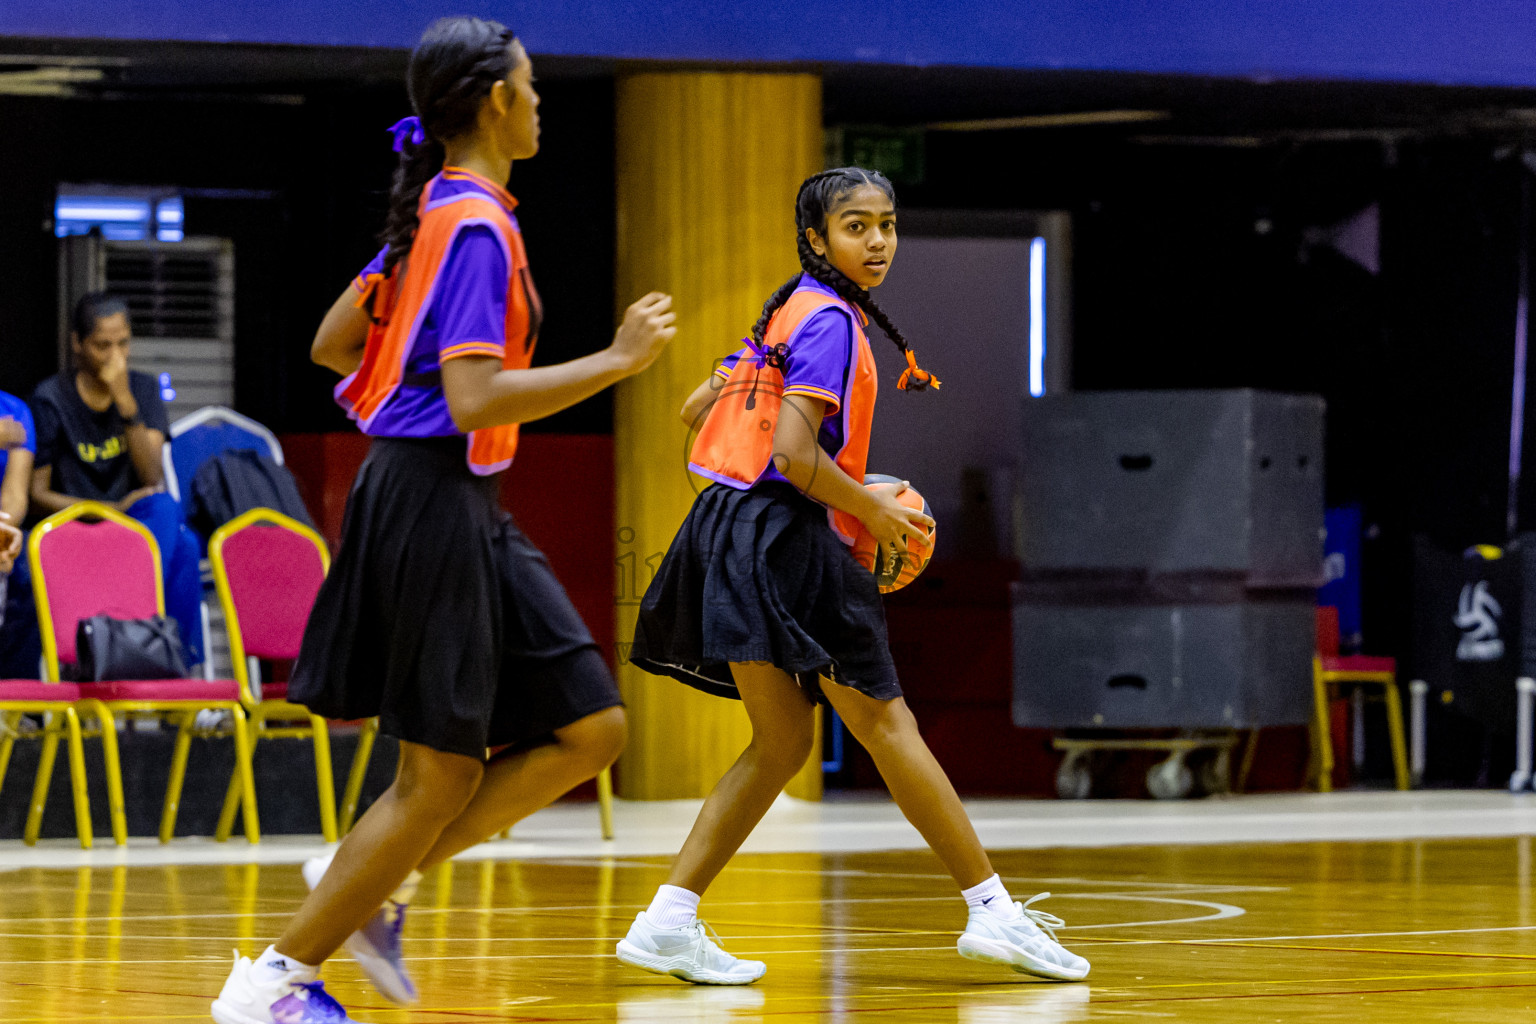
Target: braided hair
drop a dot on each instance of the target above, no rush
(452, 70)
(818, 195)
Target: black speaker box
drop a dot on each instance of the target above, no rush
(1120, 663)
(1227, 482)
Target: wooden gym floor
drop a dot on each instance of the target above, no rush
(1373, 931)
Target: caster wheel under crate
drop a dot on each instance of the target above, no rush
(1074, 779)
(1170, 779)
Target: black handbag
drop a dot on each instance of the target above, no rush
(110, 649)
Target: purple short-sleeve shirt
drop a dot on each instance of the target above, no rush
(820, 356)
(467, 317)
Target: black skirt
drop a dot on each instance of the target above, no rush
(758, 575)
(440, 617)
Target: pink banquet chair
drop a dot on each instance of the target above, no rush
(62, 708)
(90, 560)
(268, 569)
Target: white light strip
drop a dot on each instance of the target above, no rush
(1037, 317)
(66, 210)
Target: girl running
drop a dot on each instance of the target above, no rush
(439, 616)
(760, 599)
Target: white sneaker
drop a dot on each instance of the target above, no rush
(376, 945)
(288, 1000)
(1025, 942)
(687, 953)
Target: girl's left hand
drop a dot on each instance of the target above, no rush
(889, 521)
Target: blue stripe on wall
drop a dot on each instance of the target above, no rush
(1473, 42)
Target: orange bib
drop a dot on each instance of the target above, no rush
(735, 444)
(400, 307)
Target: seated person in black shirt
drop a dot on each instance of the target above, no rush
(100, 429)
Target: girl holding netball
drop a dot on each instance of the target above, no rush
(760, 599)
(439, 616)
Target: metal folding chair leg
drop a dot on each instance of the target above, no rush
(232, 792)
(178, 777)
(1240, 784)
(231, 807)
(8, 723)
(325, 779)
(1395, 734)
(1322, 732)
(359, 772)
(77, 779)
(117, 809)
(244, 744)
(44, 778)
(605, 801)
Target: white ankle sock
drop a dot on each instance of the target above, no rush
(991, 896)
(407, 890)
(272, 965)
(673, 907)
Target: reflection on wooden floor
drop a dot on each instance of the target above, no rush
(1362, 932)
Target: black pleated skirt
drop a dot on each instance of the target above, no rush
(440, 617)
(758, 575)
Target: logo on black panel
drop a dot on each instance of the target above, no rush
(1478, 614)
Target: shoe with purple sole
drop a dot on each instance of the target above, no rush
(287, 1000)
(376, 945)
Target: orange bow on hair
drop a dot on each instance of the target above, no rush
(915, 378)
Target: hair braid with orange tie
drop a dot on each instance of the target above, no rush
(818, 195)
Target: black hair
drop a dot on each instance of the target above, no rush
(818, 195)
(91, 308)
(452, 70)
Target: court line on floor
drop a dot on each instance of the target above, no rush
(1234, 940)
(1370, 949)
(834, 931)
(421, 911)
(1052, 880)
(224, 958)
(1336, 935)
(830, 929)
(1101, 996)
(1109, 990)
(1223, 911)
(1111, 1001)
(734, 871)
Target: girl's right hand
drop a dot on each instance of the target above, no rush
(10, 543)
(12, 433)
(889, 521)
(647, 327)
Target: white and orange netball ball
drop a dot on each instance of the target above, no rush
(891, 574)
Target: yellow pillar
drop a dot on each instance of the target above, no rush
(708, 167)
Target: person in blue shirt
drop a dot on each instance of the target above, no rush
(17, 443)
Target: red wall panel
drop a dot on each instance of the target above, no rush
(559, 489)
(950, 630)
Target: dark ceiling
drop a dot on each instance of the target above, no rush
(1147, 108)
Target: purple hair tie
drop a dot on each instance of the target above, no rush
(408, 128)
(776, 356)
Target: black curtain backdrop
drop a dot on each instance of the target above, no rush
(1195, 266)
(1194, 263)
(301, 188)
